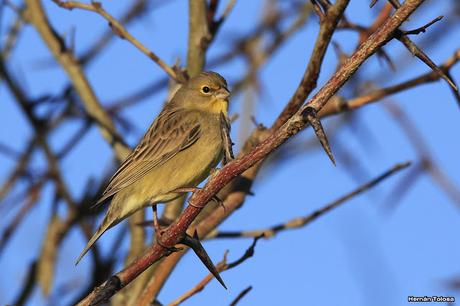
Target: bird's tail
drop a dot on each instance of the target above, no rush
(114, 215)
(101, 230)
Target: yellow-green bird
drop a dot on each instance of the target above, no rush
(178, 151)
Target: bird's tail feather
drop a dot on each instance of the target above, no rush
(101, 230)
(114, 215)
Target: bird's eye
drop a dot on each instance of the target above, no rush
(205, 89)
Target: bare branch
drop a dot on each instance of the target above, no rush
(198, 37)
(80, 82)
(120, 30)
(303, 221)
(338, 105)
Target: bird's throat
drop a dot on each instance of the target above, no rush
(219, 106)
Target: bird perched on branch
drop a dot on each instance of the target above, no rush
(178, 151)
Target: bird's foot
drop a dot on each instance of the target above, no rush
(159, 232)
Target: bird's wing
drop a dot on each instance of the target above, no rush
(172, 132)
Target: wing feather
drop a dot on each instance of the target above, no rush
(172, 132)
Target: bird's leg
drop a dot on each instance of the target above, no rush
(226, 140)
(195, 244)
(156, 223)
(215, 198)
(159, 231)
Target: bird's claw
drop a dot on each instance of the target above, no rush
(214, 198)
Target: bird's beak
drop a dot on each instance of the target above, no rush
(222, 94)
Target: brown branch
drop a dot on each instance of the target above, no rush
(303, 221)
(338, 105)
(175, 232)
(416, 51)
(199, 36)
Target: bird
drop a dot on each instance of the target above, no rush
(179, 150)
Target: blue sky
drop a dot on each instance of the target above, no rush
(356, 255)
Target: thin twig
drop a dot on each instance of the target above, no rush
(303, 221)
(241, 295)
(120, 30)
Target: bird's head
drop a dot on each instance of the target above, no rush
(206, 92)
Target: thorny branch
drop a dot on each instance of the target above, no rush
(257, 47)
(295, 124)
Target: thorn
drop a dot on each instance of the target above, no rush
(423, 28)
(195, 244)
(312, 117)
